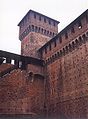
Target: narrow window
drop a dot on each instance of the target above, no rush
(60, 39)
(45, 20)
(79, 25)
(36, 28)
(39, 29)
(53, 34)
(50, 33)
(72, 30)
(35, 16)
(54, 23)
(47, 32)
(66, 35)
(44, 31)
(49, 22)
(39, 18)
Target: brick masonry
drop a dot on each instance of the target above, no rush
(59, 88)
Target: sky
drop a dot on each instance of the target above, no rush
(12, 11)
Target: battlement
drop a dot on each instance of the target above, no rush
(78, 28)
(36, 22)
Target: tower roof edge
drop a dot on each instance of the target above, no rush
(32, 11)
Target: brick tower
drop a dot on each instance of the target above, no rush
(35, 30)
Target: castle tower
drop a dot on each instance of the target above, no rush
(35, 30)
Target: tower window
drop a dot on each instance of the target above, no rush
(35, 16)
(32, 27)
(44, 31)
(45, 20)
(47, 32)
(54, 23)
(79, 25)
(50, 33)
(53, 34)
(49, 22)
(39, 18)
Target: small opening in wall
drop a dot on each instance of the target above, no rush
(12, 61)
(35, 16)
(72, 30)
(47, 32)
(49, 22)
(39, 18)
(53, 34)
(79, 25)
(60, 39)
(45, 20)
(54, 23)
(66, 35)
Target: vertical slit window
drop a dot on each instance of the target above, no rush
(60, 39)
(35, 16)
(66, 35)
(39, 18)
(80, 25)
(45, 20)
(72, 30)
(49, 22)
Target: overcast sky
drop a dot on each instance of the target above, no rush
(12, 11)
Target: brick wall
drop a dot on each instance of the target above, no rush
(65, 37)
(68, 79)
(32, 42)
(22, 93)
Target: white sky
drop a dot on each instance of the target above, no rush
(12, 11)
